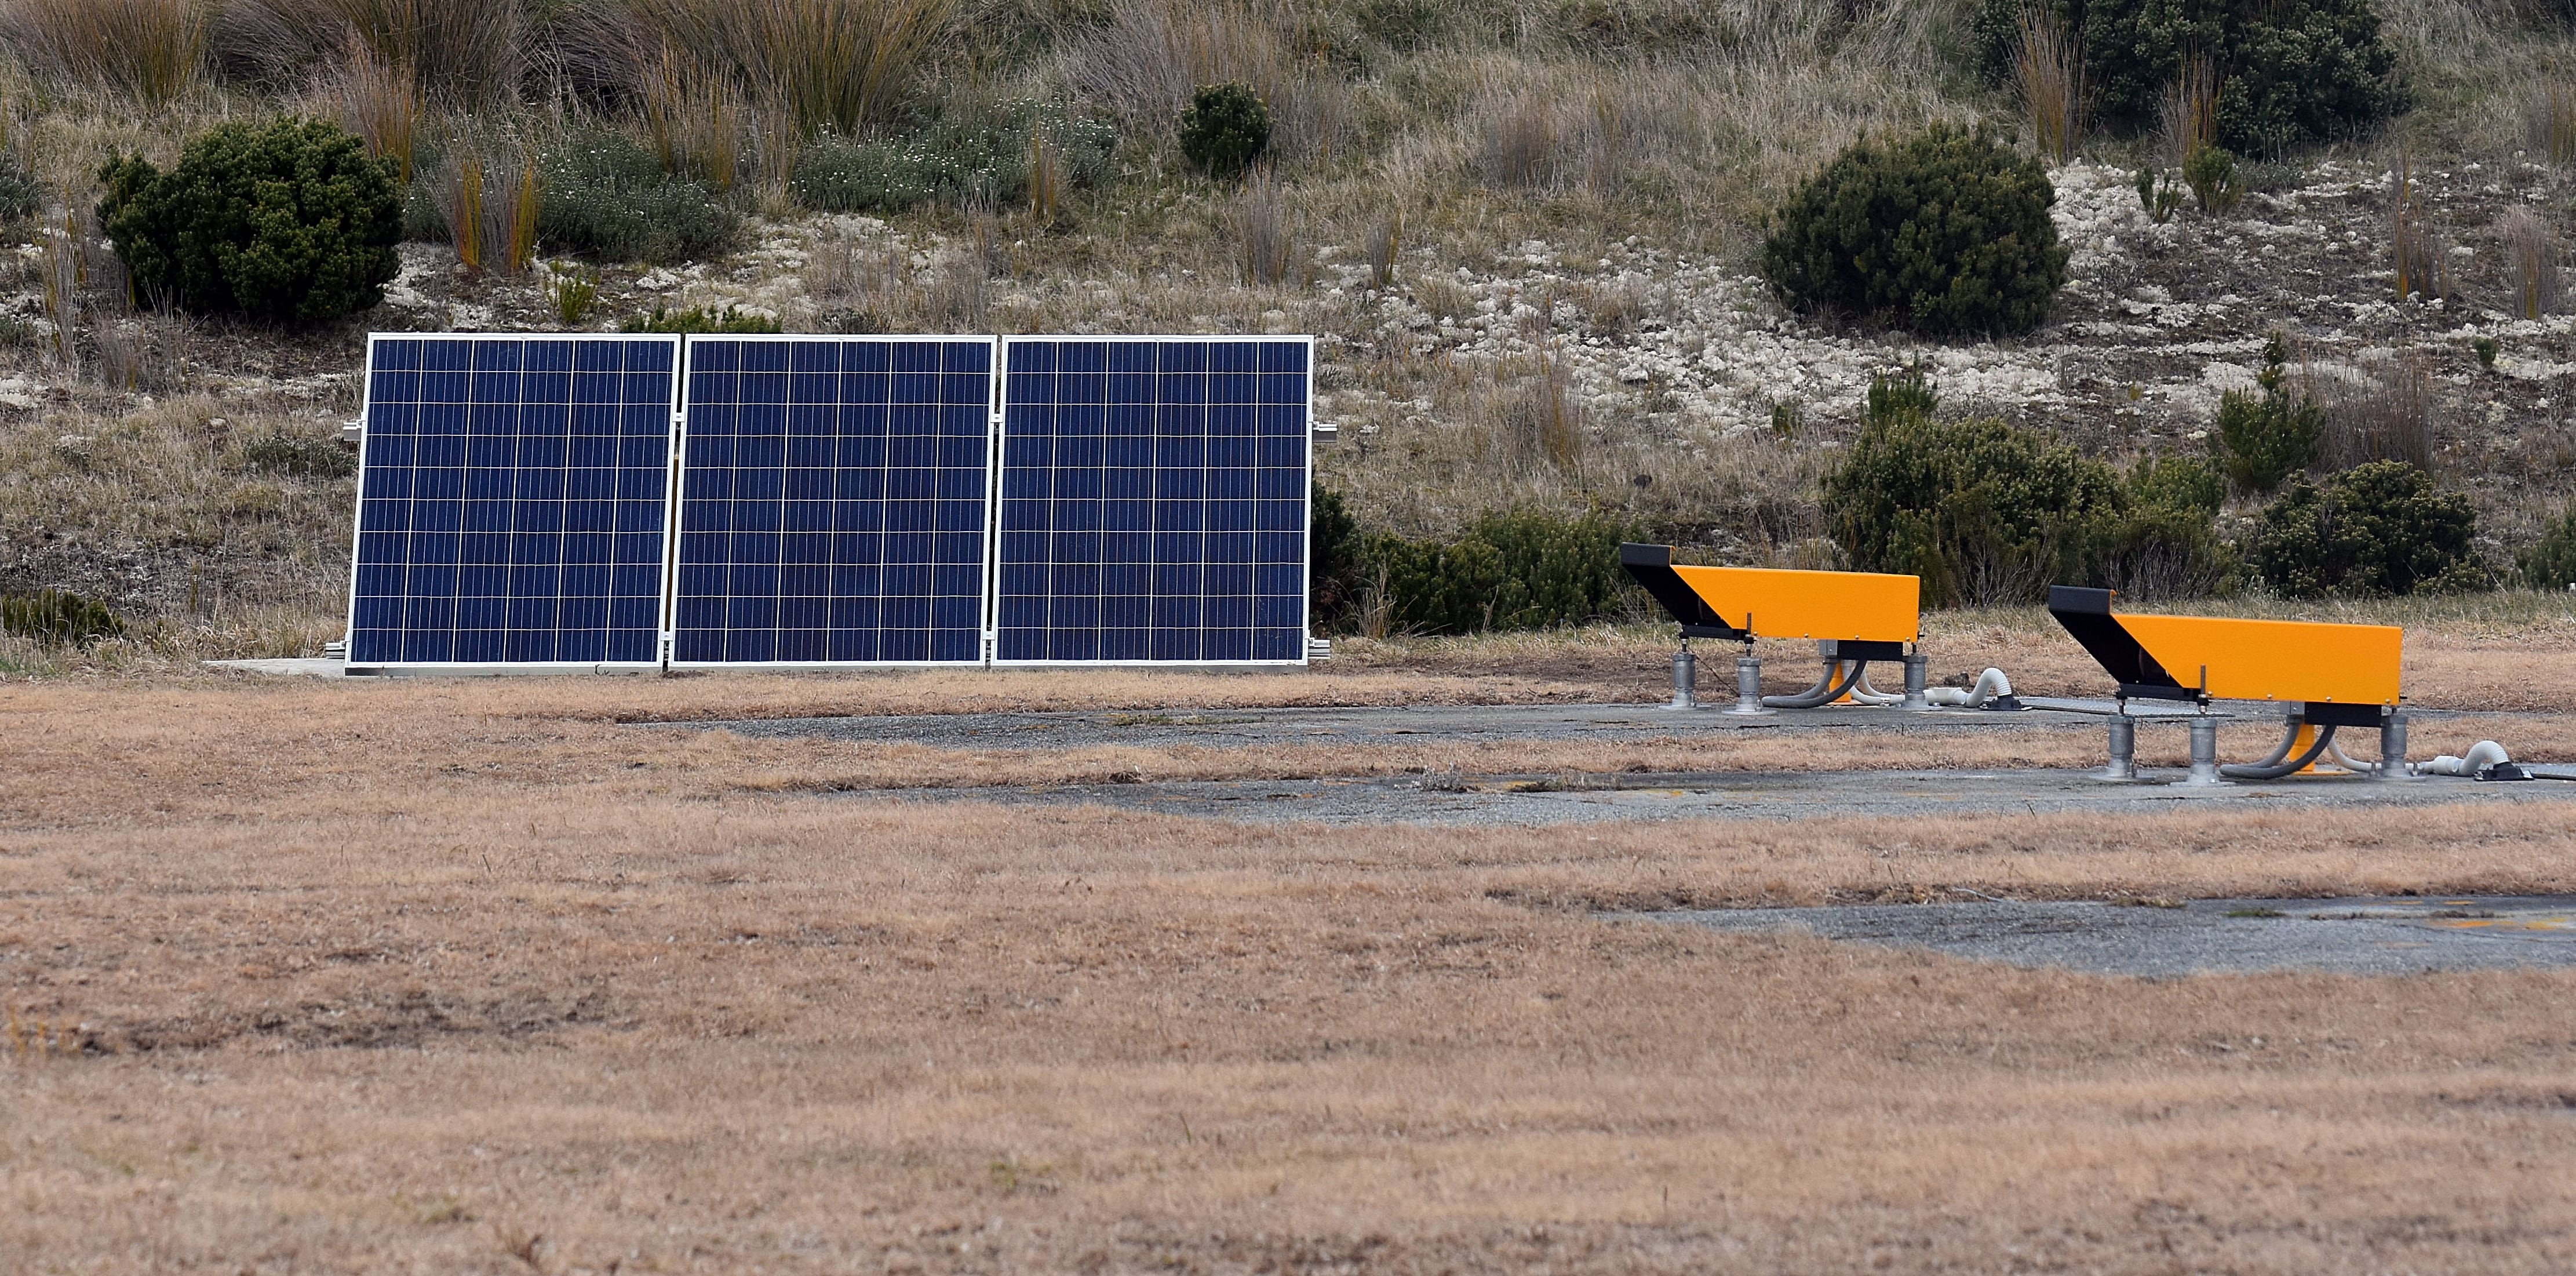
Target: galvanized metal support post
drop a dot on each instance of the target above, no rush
(2392, 748)
(2124, 747)
(1748, 688)
(1685, 678)
(1918, 673)
(2204, 753)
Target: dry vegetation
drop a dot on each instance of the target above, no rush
(1520, 231)
(483, 976)
(465, 976)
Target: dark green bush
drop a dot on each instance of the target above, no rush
(51, 615)
(2291, 71)
(1983, 512)
(2262, 439)
(2374, 530)
(287, 454)
(2211, 173)
(699, 320)
(2550, 563)
(1943, 233)
(1332, 560)
(1225, 129)
(288, 221)
(969, 154)
(606, 197)
(1525, 570)
(2164, 542)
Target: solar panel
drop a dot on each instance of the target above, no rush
(833, 501)
(1153, 500)
(512, 501)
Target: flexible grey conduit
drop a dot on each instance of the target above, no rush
(1818, 694)
(2268, 770)
(2289, 736)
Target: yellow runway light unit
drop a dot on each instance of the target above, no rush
(2324, 676)
(1853, 617)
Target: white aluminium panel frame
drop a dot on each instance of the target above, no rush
(680, 469)
(670, 509)
(1001, 456)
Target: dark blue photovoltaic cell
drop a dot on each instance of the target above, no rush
(1153, 500)
(513, 502)
(832, 501)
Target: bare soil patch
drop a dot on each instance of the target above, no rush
(465, 975)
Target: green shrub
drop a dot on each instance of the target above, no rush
(50, 615)
(968, 154)
(2164, 542)
(282, 453)
(722, 320)
(2291, 72)
(2374, 530)
(1332, 560)
(2550, 563)
(1943, 233)
(1525, 570)
(290, 221)
(2211, 173)
(2157, 194)
(1982, 511)
(1225, 129)
(2262, 439)
(605, 197)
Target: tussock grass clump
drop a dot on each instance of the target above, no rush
(1150, 57)
(2531, 247)
(698, 121)
(2048, 68)
(153, 51)
(57, 616)
(1519, 146)
(473, 51)
(829, 65)
(491, 199)
(2381, 410)
(1266, 231)
(381, 103)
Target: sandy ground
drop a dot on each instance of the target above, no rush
(486, 976)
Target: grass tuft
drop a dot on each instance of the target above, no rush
(153, 51)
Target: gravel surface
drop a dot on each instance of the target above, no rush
(1445, 723)
(2372, 936)
(1532, 800)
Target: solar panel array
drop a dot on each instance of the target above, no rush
(1153, 501)
(513, 501)
(832, 501)
(835, 503)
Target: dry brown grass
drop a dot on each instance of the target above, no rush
(839, 65)
(458, 976)
(466, 51)
(153, 51)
